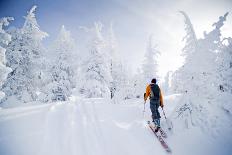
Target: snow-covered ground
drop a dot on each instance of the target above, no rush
(92, 127)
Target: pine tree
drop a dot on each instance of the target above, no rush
(190, 38)
(120, 85)
(224, 78)
(62, 70)
(207, 56)
(150, 65)
(24, 57)
(184, 75)
(225, 67)
(115, 63)
(96, 69)
(201, 97)
(166, 84)
(5, 38)
(138, 84)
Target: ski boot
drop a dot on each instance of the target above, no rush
(157, 129)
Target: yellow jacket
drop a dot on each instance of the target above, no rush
(148, 93)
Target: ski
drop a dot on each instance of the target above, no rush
(163, 133)
(159, 137)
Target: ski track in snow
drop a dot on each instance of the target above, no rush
(83, 127)
(97, 127)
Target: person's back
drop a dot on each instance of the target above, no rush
(155, 92)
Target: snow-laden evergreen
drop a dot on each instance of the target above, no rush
(126, 84)
(148, 71)
(120, 83)
(201, 104)
(178, 84)
(150, 65)
(24, 56)
(139, 84)
(225, 66)
(166, 84)
(190, 38)
(62, 70)
(114, 62)
(95, 69)
(5, 38)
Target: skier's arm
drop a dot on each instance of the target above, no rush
(161, 100)
(147, 93)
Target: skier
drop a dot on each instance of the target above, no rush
(156, 99)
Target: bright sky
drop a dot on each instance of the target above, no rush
(134, 21)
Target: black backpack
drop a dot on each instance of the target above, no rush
(155, 92)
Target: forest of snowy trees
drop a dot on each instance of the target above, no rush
(32, 72)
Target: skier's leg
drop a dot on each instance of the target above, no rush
(157, 116)
(157, 122)
(153, 111)
(157, 110)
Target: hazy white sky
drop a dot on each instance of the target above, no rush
(163, 20)
(134, 21)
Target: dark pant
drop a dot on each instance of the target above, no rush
(154, 105)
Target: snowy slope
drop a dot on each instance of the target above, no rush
(88, 127)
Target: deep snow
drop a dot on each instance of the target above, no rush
(92, 127)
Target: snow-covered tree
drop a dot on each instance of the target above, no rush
(121, 86)
(62, 71)
(190, 38)
(199, 77)
(224, 78)
(24, 57)
(166, 84)
(96, 69)
(225, 67)
(206, 57)
(183, 76)
(5, 38)
(138, 84)
(34, 36)
(114, 62)
(125, 83)
(150, 65)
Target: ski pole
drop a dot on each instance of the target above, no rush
(169, 127)
(144, 108)
(164, 113)
(144, 104)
